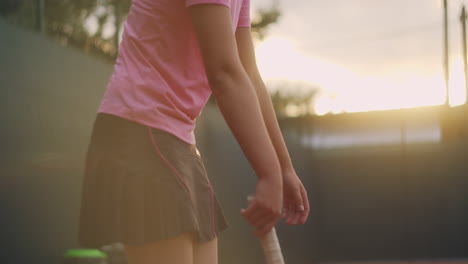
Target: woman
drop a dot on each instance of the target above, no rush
(145, 185)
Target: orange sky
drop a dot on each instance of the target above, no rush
(363, 54)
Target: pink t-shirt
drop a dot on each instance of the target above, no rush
(159, 79)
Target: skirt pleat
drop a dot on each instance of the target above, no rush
(142, 185)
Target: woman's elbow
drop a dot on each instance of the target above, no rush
(223, 77)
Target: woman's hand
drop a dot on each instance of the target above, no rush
(265, 209)
(296, 203)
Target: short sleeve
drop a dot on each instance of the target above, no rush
(244, 16)
(198, 2)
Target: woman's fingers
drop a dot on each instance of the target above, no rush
(250, 211)
(298, 203)
(305, 199)
(296, 210)
(300, 210)
(260, 216)
(296, 207)
(295, 217)
(286, 210)
(266, 227)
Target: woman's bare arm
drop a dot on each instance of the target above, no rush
(237, 101)
(295, 196)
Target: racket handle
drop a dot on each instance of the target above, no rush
(271, 248)
(270, 245)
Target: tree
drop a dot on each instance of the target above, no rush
(265, 18)
(290, 95)
(66, 21)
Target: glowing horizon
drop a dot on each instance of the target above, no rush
(342, 90)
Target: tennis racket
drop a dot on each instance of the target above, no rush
(270, 245)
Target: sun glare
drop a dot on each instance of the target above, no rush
(457, 84)
(279, 59)
(342, 90)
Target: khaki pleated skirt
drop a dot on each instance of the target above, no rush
(142, 185)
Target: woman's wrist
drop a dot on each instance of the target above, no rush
(287, 168)
(269, 173)
(284, 159)
(289, 174)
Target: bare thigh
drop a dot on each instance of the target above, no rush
(206, 253)
(179, 249)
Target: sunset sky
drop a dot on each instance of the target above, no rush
(364, 54)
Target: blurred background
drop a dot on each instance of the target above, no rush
(370, 96)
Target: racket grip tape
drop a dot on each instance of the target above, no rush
(270, 245)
